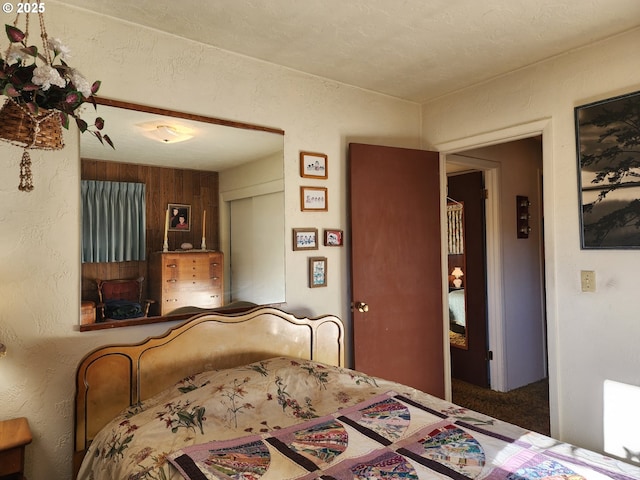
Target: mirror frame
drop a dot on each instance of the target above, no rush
(186, 116)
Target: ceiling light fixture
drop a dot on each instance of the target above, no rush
(166, 133)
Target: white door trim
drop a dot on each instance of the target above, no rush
(494, 258)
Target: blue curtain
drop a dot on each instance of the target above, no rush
(113, 221)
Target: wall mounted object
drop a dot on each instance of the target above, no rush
(313, 199)
(179, 217)
(305, 238)
(523, 216)
(313, 165)
(333, 237)
(608, 161)
(317, 272)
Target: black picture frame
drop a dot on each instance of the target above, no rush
(176, 211)
(608, 151)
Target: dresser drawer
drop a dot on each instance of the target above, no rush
(11, 461)
(187, 279)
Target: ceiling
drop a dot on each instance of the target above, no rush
(212, 147)
(416, 50)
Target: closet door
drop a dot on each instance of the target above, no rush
(256, 228)
(396, 272)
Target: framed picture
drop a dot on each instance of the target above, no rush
(332, 238)
(317, 272)
(313, 199)
(179, 217)
(305, 238)
(313, 165)
(608, 166)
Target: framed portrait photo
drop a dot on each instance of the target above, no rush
(179, 217)
(313, 199)
(313, 165)
(305, 238)
(333, 237)
(317, 272)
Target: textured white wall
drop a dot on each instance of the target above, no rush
(39, 258)
(592, 336)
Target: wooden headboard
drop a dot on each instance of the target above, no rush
(112, 378)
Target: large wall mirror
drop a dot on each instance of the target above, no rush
(229, 174)
(458, 334)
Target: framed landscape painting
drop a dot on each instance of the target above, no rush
(608, 146)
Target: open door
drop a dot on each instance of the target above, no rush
(396, 273)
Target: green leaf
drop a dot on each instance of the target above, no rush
(99, 123)
(82, 125)
(96, 86)
(33, 107)
(72, 98)
(108, 140)
(10, 91)
(14, 34)
(32, 50)
(64, 119)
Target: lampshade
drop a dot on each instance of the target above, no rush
(457, 272)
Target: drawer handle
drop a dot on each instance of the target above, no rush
(172, 265)
(214, 278)
(172, 280)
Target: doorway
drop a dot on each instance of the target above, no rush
(515, 293)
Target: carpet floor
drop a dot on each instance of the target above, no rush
(527, 407)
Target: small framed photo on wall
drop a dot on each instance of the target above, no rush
(333, 237)
(305, 238)
(317, 272)
(179, 217)
(313, 165)
(313, 199)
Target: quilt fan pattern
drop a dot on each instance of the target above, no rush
(286, 418)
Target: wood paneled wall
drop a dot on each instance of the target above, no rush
(163, 186)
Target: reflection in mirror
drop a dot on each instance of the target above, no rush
(229, 174)
(456, 268)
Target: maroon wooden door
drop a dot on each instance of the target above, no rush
(396, 265)
(471, 365)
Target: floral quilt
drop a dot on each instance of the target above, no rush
(286, 418)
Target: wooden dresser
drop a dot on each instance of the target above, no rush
(14, 436)
(186, 279)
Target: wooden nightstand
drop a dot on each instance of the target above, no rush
(15, 435)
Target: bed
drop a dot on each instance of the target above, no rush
(457, 310)
(265, 395)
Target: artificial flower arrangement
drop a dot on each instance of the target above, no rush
(41, 97)
(47, 86)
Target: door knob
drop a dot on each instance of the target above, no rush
(361, 307)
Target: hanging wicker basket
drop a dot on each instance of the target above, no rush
(22, 128)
